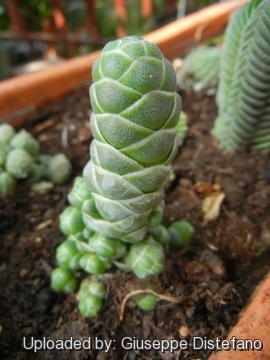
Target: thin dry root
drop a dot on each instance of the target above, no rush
(43, 224)
(138, 292)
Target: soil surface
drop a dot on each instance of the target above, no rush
(213, 275)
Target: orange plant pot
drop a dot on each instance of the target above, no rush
(253, 324)
(21, 94)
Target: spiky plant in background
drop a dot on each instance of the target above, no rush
(200, 69)
(244, 88)
(117, 206)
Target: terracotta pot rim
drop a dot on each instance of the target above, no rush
(253, 324)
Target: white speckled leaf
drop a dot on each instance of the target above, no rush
(151, 110)
(112, 160)
(113, 186)
(118, 131)
(154, 149)
(149, 180)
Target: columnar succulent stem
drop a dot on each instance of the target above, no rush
(136, 110)
(119, 199)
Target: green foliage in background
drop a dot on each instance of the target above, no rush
(200, 69)
(35, 11)
(39, 12)
(4, 18)
(4, 64)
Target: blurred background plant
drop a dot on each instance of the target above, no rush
(37, 29)
(200, 69)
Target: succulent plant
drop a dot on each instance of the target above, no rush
(44, 160)
(180, 233)
(147, 302)
(146, 258)
(93, 264)
(91, 297)
(244, 88)
(4, 149)
(59, 169)
(79, 193)
(6, 133)
(63, 279)
(25, 141)
(20, 159)
(71, 221)
(68, 256)
(19, 163)
(7, 183)
(200, 69)
(182, 128)
(35, 173)
(118, 202)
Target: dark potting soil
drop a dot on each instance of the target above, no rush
(213, 275)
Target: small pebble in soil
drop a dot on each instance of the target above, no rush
(185, 183)
(213, 261)
(38, 240)
(23, 272)
(132, 356)
(213, 287)
(184, 331)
